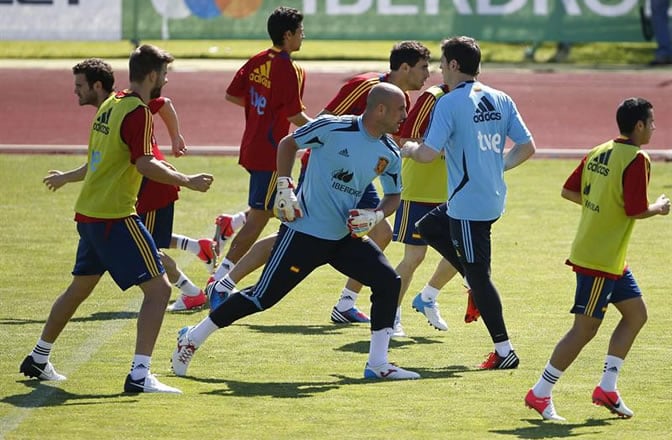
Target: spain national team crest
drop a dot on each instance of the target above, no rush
(381, 165)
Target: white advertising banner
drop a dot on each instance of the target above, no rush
(60, 19)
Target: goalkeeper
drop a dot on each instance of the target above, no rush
(321, 224)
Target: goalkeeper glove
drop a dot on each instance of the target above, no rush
(286, 206)
(361, 221)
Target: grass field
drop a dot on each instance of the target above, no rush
(288, 372)
(590, 55)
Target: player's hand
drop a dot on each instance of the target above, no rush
(361, 221)
(55, 179)
(286, 206)
(200, 182)
(408, 148)
(179, 147)
(664, 202)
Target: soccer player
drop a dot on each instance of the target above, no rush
(94, 82)
(470, 126)
(610, 184)
(409, 69)
(322, 224)
(424, 188)
(112, 236)
(269, 87)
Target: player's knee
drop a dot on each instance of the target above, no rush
(381, 234)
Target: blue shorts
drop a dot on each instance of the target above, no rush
(370, 199)
(261, 195)
(593, 294)
(407, 215)
(159, 223)
(122, 247)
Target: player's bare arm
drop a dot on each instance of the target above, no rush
(519, 154)
(169, 117)
(235, 100)
(56, 179)
(157, 171)
(418, 152)
(660, 207)
(299, 119)
(572, 196)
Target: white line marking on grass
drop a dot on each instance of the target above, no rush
(105, 331)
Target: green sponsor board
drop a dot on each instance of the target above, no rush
(490, 20)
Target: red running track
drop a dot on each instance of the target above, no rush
(563, 109)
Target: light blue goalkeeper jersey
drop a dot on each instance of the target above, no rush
(472, 123)
(343, 161)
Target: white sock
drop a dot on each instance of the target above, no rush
(140, 366)
(544, 387)
(429, 293)
(202, 331)
(347, 300)
(187, 244)
(503, 348)
(380, 343)
(186, 286)
(227, 284)
(397, 316)
(41, 351)
(224, 268)
(238, 220)
(612, 366)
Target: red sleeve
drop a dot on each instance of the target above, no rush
(156, 104)
(635, 185)
(416, 123)
(351, 98)
(238, 85)
(137, 131)
(573, 182)
(291, 76)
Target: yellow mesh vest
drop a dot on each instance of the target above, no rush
(112, 182)
(425, 182)
(604, 229)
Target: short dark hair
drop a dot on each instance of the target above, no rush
(281, 20)
(465, 51)
(631, 111)
(95, 69)
(409, 52)
(146, 59)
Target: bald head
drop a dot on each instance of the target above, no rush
(385, 109)
(383, 93)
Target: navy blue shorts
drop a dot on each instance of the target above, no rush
(261, 195)
(159, 223)
(405, 219)
(593, 294)
(123, 247)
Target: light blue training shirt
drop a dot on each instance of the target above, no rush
(471, 123)
(343, 161)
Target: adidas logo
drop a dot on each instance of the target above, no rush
(101, 122)
(599, 164)
(261, 75)
(344, 152)
(486, 111)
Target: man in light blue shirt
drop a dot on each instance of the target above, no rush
(471, 124)
(322, 225)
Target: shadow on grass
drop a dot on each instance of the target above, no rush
(98, 316)
(310, 330)
(42, 395)
(547, 429)
(363, 346)
(295, 390)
